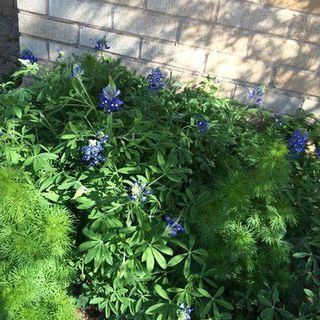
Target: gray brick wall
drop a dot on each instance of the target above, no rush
(241, 42)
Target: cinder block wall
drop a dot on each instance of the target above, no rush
(241, 42)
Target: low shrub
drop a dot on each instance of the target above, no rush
(191, 205)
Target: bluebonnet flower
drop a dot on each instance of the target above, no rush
(156, 80)
(27, 54)
(77, 71)
(173, 226)
(184, 312)
(298, 143)
(278, 119)
(255, 95)
(109, 99)
(318, 152)
(102, 45)
(92, 153)
(203, 126)
(138, 191)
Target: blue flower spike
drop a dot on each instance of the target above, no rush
(173, 226)
(278, 119)
(185, 312)
(138, 191)
(156, 78)
(109, 98)
(92, 154)
(102, 45)
(27, 54)
(255, 95)
(298, 143)
(203, 126)
(77, 71)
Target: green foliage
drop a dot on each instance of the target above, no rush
(242, 220)
(35, 239)
(251, 246)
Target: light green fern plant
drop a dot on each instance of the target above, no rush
(35, 239)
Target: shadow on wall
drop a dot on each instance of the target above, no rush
(311, 6)
(9, 45)
(245, 42)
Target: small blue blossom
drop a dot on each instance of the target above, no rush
(156, 80)
(298, 143)
(184, 312)
(203, 126)
(109, 99)
(139, 192)
(278, 119)
(318, 152)
(27, 54)
(173, 226)
(77, 71)
(255, 95)
(102, 45)
(92, 153)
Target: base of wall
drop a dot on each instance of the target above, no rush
(274, 100)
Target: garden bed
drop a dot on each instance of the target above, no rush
(172, 203)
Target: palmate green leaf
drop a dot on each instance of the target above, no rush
(224, 304)
(204, 293)
(186, 267)
(155, 308)
(161, 161)
(97, 300)
(309, 293)
(159, 258)
(300, 255)
(147, 256)
(267, 314)
(91, 254)
(176, 260)
(161, 292)
(88, 244)
(41, 161)
(17, 111)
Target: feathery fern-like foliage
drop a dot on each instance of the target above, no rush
(242, 219)
(35, 239)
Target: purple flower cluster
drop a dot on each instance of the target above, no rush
(185, 311)
(298, 142)
(203, 126)
(92, 153)
(156, 80)
(77, 71)
(173, 226)
(109, 99)
(102, 45)
(138, 191)
(255, 95)
(27, 54)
